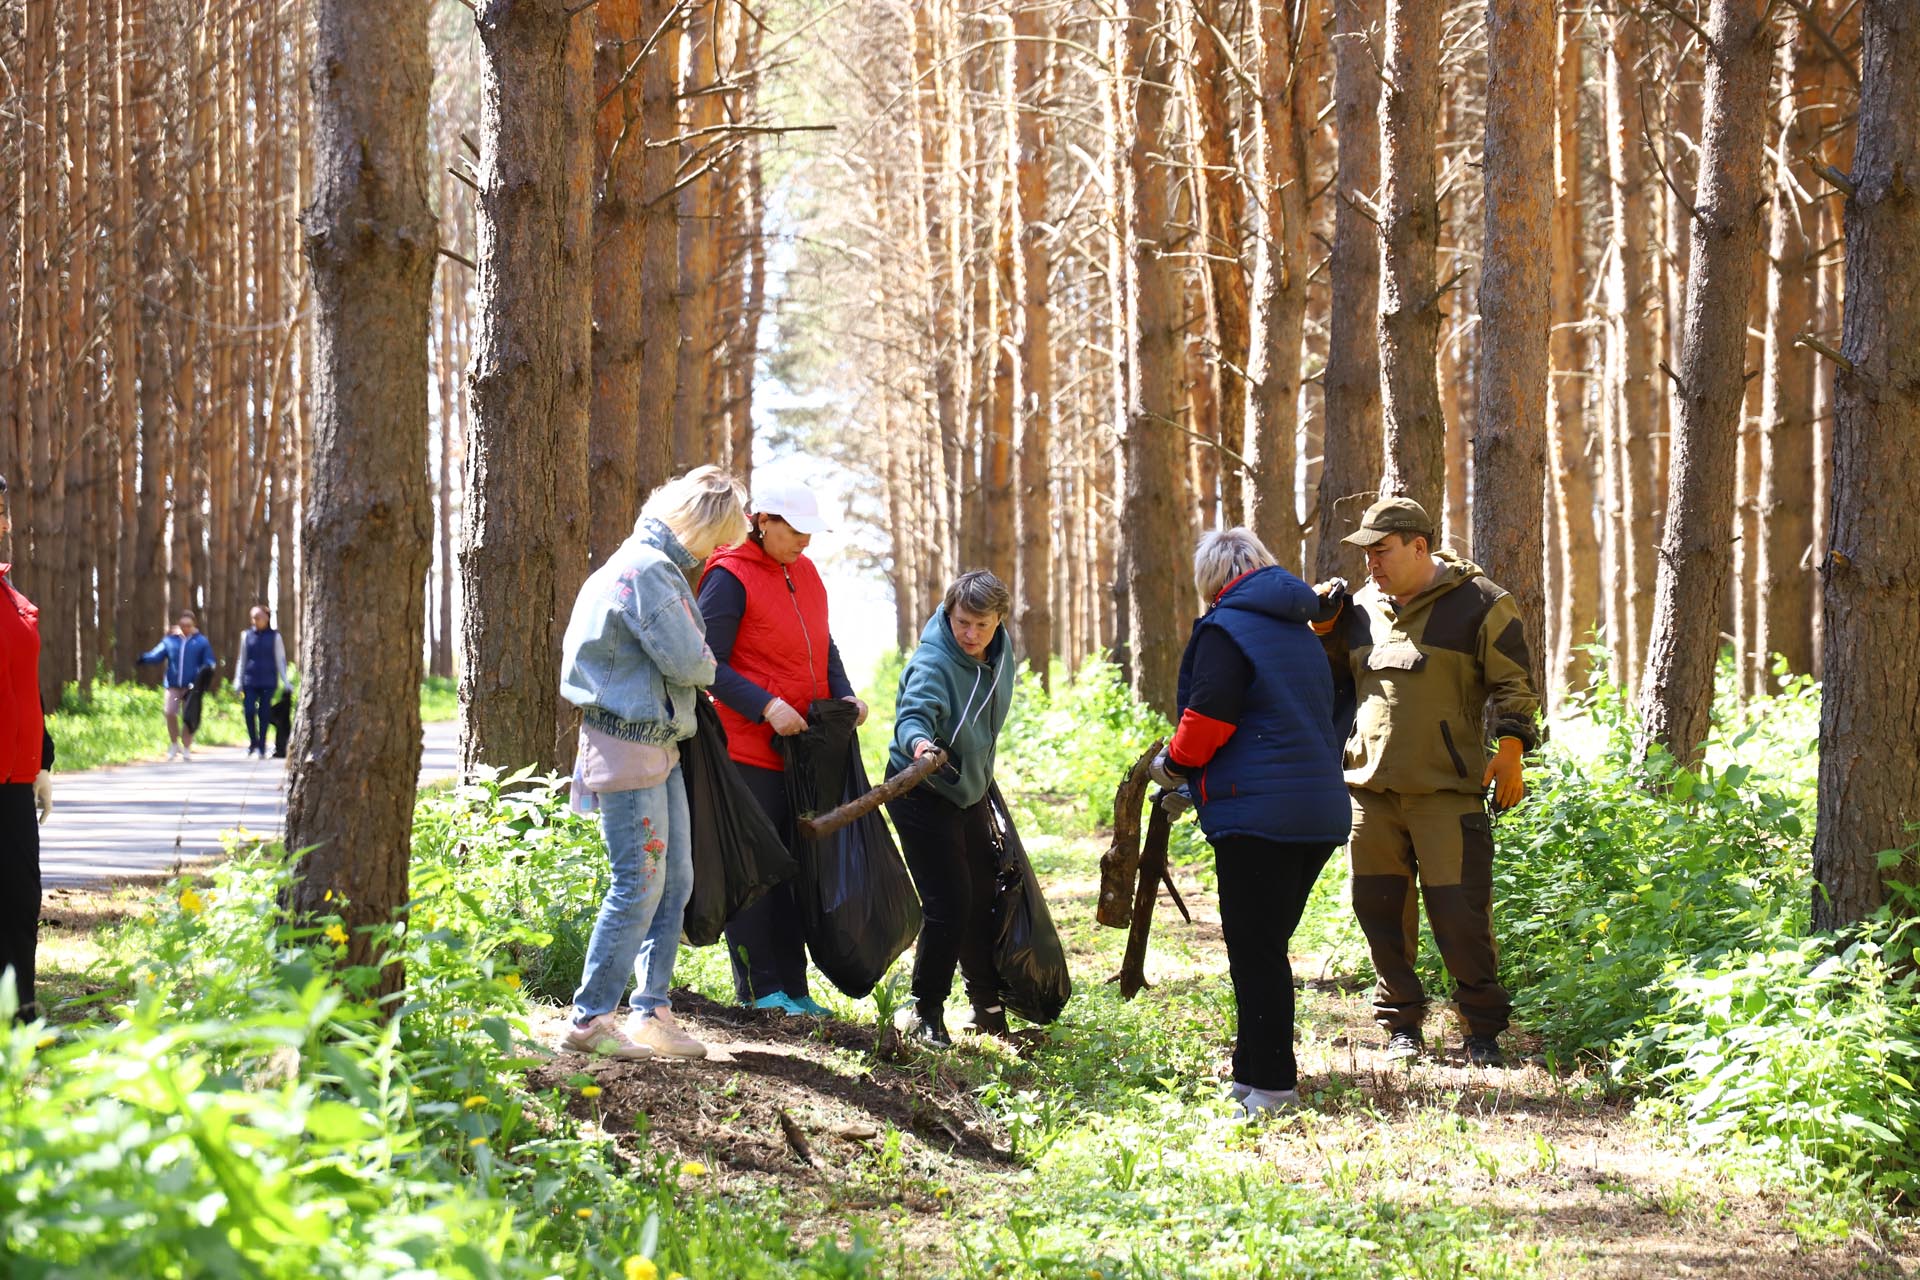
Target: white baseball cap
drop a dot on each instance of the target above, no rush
(792, 501)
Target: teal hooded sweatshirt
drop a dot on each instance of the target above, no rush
(948, 697)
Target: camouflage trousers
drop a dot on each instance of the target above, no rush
(1444, 842)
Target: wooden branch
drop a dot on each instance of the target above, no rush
(860, 806)
(1173, 890)
(474, 186)
(1686, 20)
(1666, 369)
(1153, 869)
(1660, 162)
(1812, 343)
(1825, 37)
(466, 140)
(1835, 178)
(1446, 287)
(1120, 864)
(460, 258)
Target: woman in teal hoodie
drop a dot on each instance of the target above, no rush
(954, 694)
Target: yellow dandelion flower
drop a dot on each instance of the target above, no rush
(335, 934)
(512, 980)
(694, 1169)
(583, 1213)
(477, 1142)
(328, 896)
(639, 1268)
(590, 1091)
(191, 903)
(477, 1100)
(47, 1041)
(940, 1193)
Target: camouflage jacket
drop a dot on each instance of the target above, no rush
(1420, 675)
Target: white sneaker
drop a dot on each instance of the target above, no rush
(1236, 1092)
(173, 749)
(1261, 1104)
(186, 753)
(659, 1032)
(603, 1036)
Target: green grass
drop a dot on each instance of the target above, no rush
(122, 722)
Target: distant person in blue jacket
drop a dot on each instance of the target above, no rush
(262, 674)
(187, 654)
(1258, 747)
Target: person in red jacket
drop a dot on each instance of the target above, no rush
(26, 787)
(766, 614)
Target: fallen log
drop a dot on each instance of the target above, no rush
(1120, 864)
(893, 788)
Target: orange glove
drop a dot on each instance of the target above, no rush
(1503, 775)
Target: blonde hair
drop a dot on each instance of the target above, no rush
(705, 508)
(1225, 554)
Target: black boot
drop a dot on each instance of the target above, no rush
(928, 1027)
(991, 1022)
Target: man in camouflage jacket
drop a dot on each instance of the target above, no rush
(1422, 651)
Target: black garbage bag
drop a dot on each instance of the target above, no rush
(281, 717)
(857, 902)
(1027, 954)
(737, 853)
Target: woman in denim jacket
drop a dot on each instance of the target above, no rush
(634, 658)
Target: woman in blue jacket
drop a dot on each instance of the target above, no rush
(188, 655)
(634, 659)
(955, 693)
(1258, 748)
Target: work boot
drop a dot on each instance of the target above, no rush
(659, 1032)
(1405, 1044)
(991, 1022)
(1483, 1051)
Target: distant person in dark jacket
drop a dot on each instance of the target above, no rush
(955, 693)
(1258, 749)
(766, 613)
(26, 784)
(262, 674)
(187, 655)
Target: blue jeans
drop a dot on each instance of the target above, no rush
(650, 847)
(258, 704)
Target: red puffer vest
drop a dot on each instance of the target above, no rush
(21, 727)
(782, 645)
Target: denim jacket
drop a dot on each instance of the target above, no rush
(635, 652)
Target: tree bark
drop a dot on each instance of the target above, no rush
(1033, 384)
(1509, 448)
(618, 254)
(1677, 701)
(1350, 473)
(1869, 789)
(659, 246)
(1153, 519)
(524, 387)
(366, 534)
(1410, 240)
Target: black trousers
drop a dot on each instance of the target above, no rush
(767, 942)
(950, 852)
(19, 889)
(1264, 886)
(257, 705)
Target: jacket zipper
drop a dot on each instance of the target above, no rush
(793, 598)
(1446, 735)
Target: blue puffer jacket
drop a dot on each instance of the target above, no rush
(1278, 777)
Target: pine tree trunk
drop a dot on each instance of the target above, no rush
(368, 522)
(525, 387)
(1033, 385)
(659, 245)
(618, 321)
(1410, 237)
(693, 442)
(1350, 473)
(1152, 516)
(1509, 448)
(1677, 700)
(1785, 587)
(1869, 789)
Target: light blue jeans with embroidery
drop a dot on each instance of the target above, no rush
(638, 931)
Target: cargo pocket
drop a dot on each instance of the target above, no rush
(1476, 851)
(1396, 656)
(1446, 736)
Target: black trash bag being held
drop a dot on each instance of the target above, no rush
(737, 853)
(857, 902)
(281, 717)
(1027, 955)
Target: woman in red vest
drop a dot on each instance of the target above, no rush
(26, 789)
(766, 613)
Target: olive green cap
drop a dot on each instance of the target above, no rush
(1391, 515)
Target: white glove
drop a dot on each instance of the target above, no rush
(1161, 772)
(43, 793)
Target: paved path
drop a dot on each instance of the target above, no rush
(137, 819)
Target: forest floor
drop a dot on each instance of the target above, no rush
(1097, 1147)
